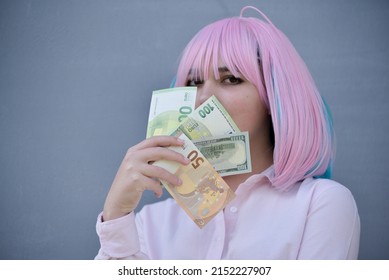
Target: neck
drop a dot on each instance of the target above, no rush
(261, 159)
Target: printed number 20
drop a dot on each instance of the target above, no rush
(184, 112)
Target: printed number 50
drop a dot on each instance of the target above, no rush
(195, 159)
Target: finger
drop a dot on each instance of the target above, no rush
(153, 171)
(159, 153)
(153, 185)
(158, 141)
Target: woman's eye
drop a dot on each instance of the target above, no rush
(232, 80)
(194, 83)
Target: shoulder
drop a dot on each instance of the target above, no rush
(332, 226)
(329, 196)
(324, 189)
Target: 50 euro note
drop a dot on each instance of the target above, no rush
(203, 192)
(168, 108)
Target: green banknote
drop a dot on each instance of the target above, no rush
(168, 108)
(228, 154)
(208, 120)
(203, 192)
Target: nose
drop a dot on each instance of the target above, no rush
(204, 91)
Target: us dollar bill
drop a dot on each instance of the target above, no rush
(203, 192)
(228, 154)
(168, 108)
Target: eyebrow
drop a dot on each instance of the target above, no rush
(223, 69)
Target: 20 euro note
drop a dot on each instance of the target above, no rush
(228, 154)
(203, 192)
(168, 108)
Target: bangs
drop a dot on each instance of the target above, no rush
(225, 43)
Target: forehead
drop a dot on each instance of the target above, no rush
(221, 69)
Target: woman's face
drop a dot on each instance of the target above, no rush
(241, 100)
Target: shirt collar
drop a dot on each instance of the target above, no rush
(263, 178)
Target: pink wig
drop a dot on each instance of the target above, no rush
(303, 133)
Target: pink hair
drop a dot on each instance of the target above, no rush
(303, 134)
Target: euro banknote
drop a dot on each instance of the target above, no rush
(203, 192)
(168, 108)
(208, 120)
(228, 154)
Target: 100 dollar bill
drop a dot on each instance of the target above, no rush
(168, 108)
(229, 154)
(203, 192)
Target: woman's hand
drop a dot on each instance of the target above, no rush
(136, 174)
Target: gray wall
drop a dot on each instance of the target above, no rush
(75, 84)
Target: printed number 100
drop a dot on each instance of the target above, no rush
(206, 110)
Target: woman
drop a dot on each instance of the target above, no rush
(285, 208)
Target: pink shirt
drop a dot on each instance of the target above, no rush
(316, 219)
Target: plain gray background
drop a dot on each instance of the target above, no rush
(75, 84)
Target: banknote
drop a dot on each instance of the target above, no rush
(208, 120)
(211, 120)
(203, 192)
(168, 108)
(228, 154)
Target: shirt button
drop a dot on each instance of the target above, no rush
(233, 209)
